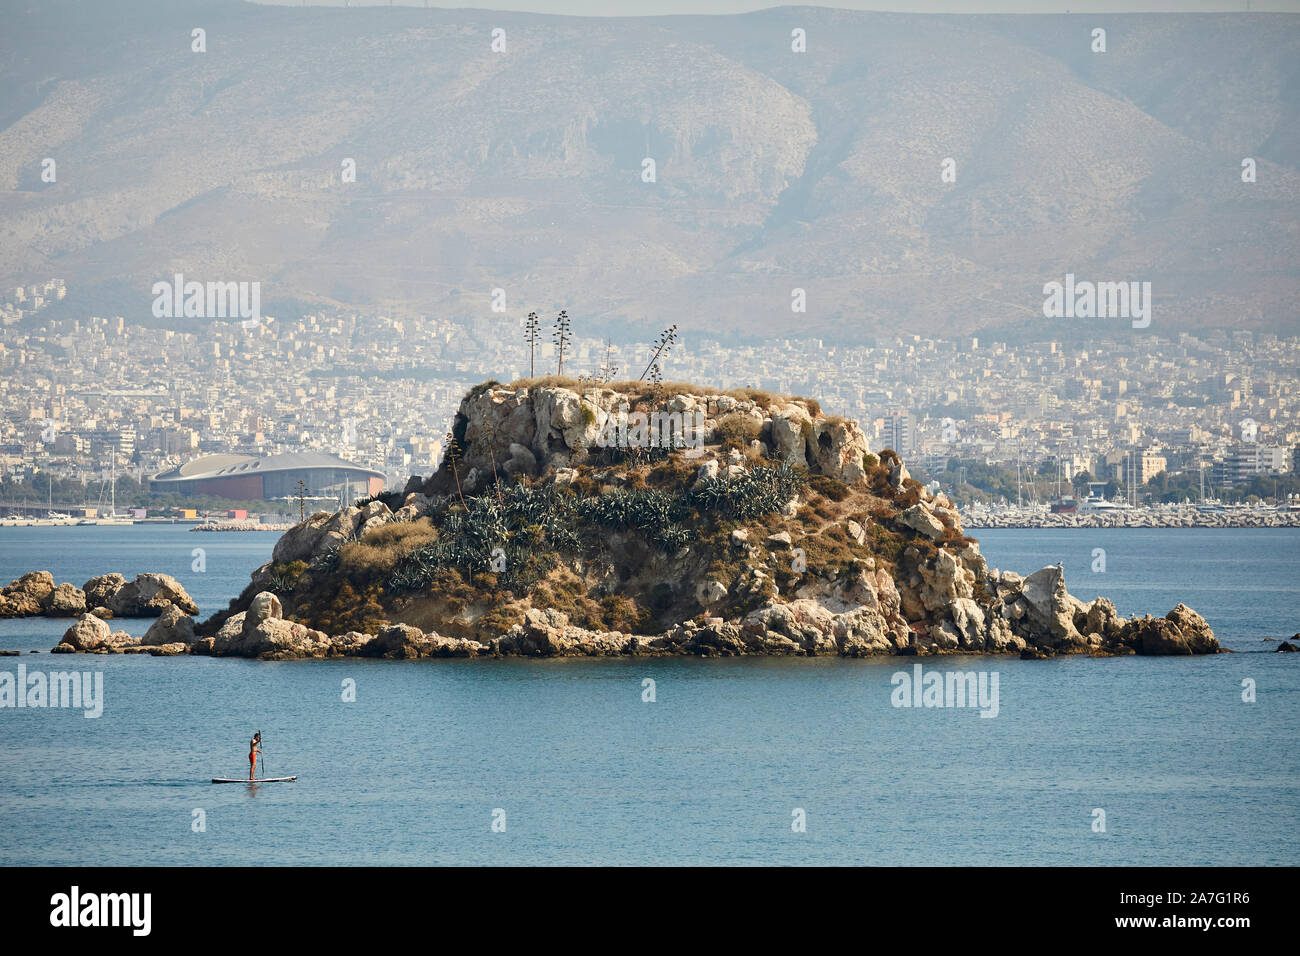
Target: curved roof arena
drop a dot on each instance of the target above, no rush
(232, 466)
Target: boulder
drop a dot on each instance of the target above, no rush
(28, 595)
(547, 632)
(789, 440)
(374, 514)
(342, 525)
(301, 541)
(800, 627)
(352, 643)
(1196, 632)
(402, 641)
(521, 461)
(1048, 610)
(120, 642)
(862, 632)
(66, 600)
(942, 636)
(715, 638)
(919, 519)
(1101, 618)
(38, 584)
(1156, 636)
(148, 595)
(168, 650)
(562, 419)
(398, 641)
(837, 448)
(968, 621)
(90, 635)
(542, 632)
(710, 591)
(408, 512)
(1182, 631)
(1001, 639)
(270, 638)
(944, 580)
(173, 626)
(233, 626)
(898, 473)
(99, 591)
(87, 634)
(705, 472)
(265, 606)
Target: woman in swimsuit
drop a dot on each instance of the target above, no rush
(254, 751)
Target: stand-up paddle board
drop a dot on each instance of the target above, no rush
(258, 780)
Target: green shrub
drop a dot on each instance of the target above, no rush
(737, 430)
(760, 490)
(832, 488)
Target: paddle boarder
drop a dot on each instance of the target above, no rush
(254, 751)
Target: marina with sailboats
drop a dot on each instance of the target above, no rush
(96, 515)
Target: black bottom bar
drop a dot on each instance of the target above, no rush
(282, 906)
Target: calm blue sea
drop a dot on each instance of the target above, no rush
(711, 772)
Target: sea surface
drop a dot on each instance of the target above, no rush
(718, 769)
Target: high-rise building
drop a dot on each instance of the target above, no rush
(897, 432)
(1244, 462)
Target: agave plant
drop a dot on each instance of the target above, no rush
(280, 583)
(760, 490)
(326, 561)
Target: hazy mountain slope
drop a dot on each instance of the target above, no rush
(775, 170)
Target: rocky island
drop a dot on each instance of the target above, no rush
(586, 518)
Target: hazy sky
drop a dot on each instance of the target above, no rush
(653, 7)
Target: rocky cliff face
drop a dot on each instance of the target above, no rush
(778, 532)
(528, 431)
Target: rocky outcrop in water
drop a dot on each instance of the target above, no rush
(106, 596)
(149, 595)
(804, 627)
(776, 532)
(35, 593)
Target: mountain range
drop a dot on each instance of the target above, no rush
(523, 169)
